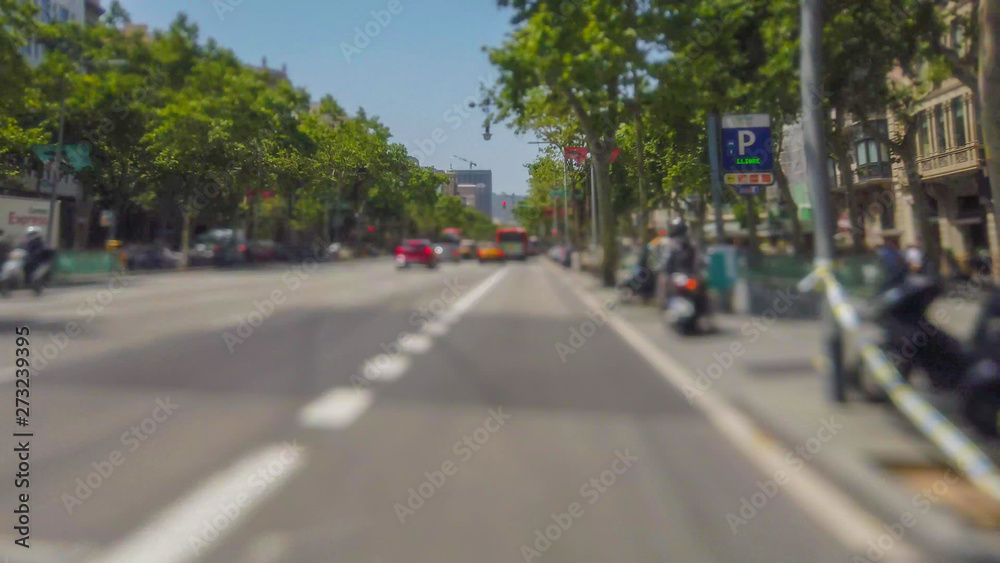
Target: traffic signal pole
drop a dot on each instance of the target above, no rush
(819, 189)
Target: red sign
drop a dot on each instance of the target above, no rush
(576, 154)
(754, 178)
(615, 153)
(743, 179)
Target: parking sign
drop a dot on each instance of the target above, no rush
(746, 146)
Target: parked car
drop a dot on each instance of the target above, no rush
(416, 251)
(262, 251)
(220, 247)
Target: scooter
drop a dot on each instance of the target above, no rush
(641, 284)
(910, 340)
(12, 274)
(687, 305)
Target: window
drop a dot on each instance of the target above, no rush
(958, 121)
(47, 10)
(957, 36)
(873, 155)
(939, 128)
(63, 14)
(925, 135)
(862, 154)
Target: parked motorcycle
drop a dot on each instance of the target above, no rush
(13, 274)
(911, 341)
(687, 306)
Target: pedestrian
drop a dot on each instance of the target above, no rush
(915, 258)
(894, 265)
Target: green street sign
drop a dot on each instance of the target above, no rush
(556, 193)
(78, 156)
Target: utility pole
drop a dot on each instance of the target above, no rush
(593, 202)
(819, 189)
(714, 157)
(57, 168)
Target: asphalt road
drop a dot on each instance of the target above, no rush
(274, 416)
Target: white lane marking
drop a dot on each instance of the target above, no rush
(385, 367)
(415, 343)
(435, 328)
(337, 408)
(469, 299)
(840, 515)
(179, 533)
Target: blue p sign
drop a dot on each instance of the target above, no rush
(746, 143)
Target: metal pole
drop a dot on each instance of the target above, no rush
(56, 165)
(714, 157)
(565, 201)
(819, 190)
(593, 203)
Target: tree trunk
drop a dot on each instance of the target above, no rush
(989, 88)
(786, 195)
(841, 147)
(81, 222)
(643, 202)
(908, 155)
(606, 214)
(186, 212)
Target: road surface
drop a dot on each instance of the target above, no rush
(350, 413)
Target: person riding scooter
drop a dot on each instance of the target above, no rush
(38, 252)
(683, 294)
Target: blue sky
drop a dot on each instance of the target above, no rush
(417, 71)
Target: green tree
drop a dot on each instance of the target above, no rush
(577, 57)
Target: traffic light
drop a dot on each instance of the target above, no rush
(371, 228)
(505, 205)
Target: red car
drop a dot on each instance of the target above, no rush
(417, 251)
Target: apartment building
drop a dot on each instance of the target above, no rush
(61, 11)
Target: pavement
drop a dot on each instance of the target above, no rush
(768, 367)
(350, 413)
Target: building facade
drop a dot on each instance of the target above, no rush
(482, 180)
(61, 11)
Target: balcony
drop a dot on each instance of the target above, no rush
(872, 172)
(950, 161)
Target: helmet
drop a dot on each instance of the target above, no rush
(32, 233)
(678, 228)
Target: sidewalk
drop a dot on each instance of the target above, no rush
(768, 371)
